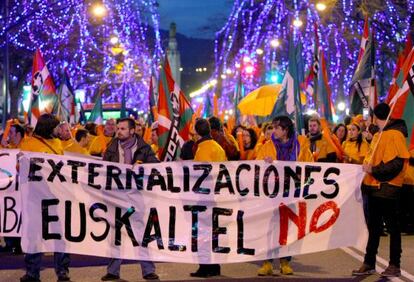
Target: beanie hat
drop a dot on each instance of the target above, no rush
(381, 111)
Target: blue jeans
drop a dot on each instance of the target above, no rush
(33, 261)
(114, 267)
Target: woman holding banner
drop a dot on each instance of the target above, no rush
(284, 146)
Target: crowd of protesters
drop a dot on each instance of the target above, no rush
(378, 144)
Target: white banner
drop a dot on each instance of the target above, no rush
(10, 203)
(189, 212)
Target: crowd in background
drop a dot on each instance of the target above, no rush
(356, 140)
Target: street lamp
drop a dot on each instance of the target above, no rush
(297, 22)
(99, 10)
(114, 40)
(275, 43)
(320, 6)
(341, 106)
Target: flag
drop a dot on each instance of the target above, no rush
(288, 102)
(300, 123)
(215, 105)
(364, 39)
(238, 95)
(152, 97)
(82, 117)
(43, 96)
(398, 100)
(310, 84)
(207, 107)
(408, 114)
(400, 61)
(402, 103)
(363, 91)
(299, 62)
(174, 116)
(96, 114)
(123, 113)
(66, 99)
(324, 91)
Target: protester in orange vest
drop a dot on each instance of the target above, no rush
(341, 132)
(355, 147)
(80, 146)
(64, 134)
(99, 143)
(284, 146)
(385, 166)
(218, 135)
(249, 143)
(16, 135)
(319, 146)
(43, 141)
(207, 150)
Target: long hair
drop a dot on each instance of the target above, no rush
(253, 138)
(346, 131)
(285, 123)
(359, 138)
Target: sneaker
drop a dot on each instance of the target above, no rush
(151, 276)
(207, 270)
(63, 277)
(365, 269)
(28, 278)
(285, 268)
(109, 277)
(391, 271)
(266, 269)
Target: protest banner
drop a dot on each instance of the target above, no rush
(10, 203)
(187, 211)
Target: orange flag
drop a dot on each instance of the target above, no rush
(215, 103)
(147, 134)
(241, 145)
(198, 111)
(332, 139)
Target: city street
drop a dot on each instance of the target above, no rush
(334, 265)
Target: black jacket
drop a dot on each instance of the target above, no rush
(143, 154)
(385, 172)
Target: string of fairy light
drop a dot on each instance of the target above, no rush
(255, 38)
(70, 35)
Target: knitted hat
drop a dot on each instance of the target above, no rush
(357, 118)
(381, 111)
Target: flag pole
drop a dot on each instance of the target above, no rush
(380, 135)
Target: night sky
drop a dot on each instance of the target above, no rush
(191, 16)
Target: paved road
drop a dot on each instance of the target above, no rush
(334, 265)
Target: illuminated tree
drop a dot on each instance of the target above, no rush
(69, 34)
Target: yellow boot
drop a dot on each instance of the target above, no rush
(285, 268)
(266, 269)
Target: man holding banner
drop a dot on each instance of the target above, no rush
(42, 141)
(207, 150)
(129, 148)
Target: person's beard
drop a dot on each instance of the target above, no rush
(123, 138)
